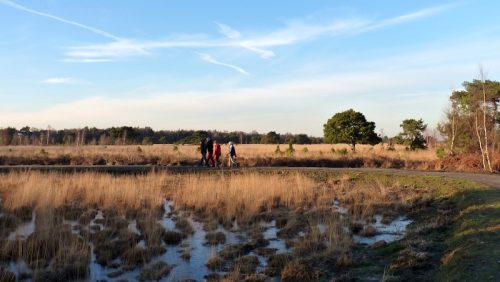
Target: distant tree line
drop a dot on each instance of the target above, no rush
(126, 135)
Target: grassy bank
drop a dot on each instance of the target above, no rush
(455, 236)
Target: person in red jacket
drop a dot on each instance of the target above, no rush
(217, 153)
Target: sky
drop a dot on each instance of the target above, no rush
(286, 66)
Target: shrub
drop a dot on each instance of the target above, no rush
(278, 150)
(440, 153)
(147, 140)
(305, 150)
(290, 151)
(342, 151)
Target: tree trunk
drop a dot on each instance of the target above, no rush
(486, 152)
(480, 142)
(453, 134)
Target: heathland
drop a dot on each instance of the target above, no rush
(316, 155)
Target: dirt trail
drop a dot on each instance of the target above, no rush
(488, 179)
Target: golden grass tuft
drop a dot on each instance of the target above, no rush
(38, 190)
(242, 196)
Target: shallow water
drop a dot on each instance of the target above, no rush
(388, 232)
(24, 230)
(194, 268)
(199, 251)
(271, 234)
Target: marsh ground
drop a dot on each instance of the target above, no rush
(253, 226)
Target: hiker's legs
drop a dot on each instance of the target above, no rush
(211, 158)
(203, 159)
(217, 161)
(232, 161)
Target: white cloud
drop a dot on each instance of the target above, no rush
(87, 60)
(34, 12)
(228, 31)
(386, 90)
(408, 17)
(59, 80)
(293, 105)
(265, 54)
(294, 33)
(210, 59)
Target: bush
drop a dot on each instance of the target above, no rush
(305, 150)
(43, 152)
(290, 151)
(278, 150)
(440, 153)
(342, 151)
(147, 141)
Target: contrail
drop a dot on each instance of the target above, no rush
(211, 60)
(28, 10)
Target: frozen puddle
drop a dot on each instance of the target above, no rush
(387, 232)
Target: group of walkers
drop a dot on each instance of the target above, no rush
(211, 152)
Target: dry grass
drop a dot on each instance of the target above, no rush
(338, 155)
(304, 201)
(243, 196)
(227, 196)
(38, 190)
(172, 154)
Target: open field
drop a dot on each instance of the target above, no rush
(252, 226)
(248, 155)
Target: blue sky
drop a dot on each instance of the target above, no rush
(238, 65)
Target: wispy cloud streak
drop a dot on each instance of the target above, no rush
(294, 33)
(59, 80)
(228, 31)
(210, 59)
(409, 17)
(34, 12)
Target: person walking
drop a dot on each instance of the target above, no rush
(217, 153)
(210, 150)
(203, 150)
(232, 155)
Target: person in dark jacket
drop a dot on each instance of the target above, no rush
(232, 155)
(210, 150)
(203, 150)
